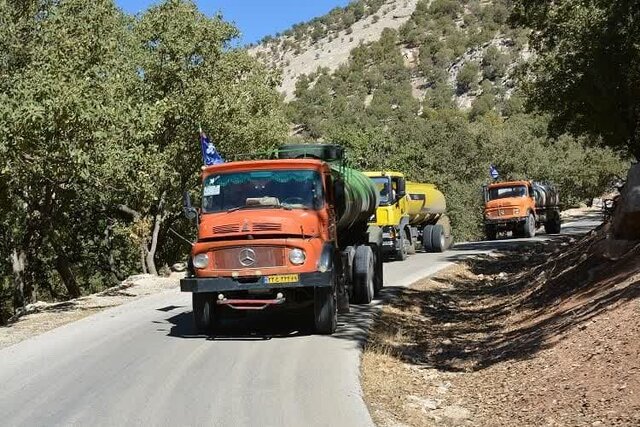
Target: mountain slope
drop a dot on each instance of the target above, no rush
(304, 54)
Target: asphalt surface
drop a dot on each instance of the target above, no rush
(142, 364)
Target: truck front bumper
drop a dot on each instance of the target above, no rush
(501, 223)
(229, 284)
(389, 242)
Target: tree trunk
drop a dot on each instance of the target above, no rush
(151, 262)
(64, 270)
(21, 294)
(143, 261)
(110, 258)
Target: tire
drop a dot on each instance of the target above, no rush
(438, 239)
(491, 232)
(554, 224)
(350, 252)
(325, 310)
(363, 274)
(204, 312)
(411, 247)
(401, 252)
(378, 280)
(426, 238)
(530, 227)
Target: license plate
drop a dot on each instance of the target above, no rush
(387, 243)
(282, 278)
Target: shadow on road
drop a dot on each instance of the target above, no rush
(258, 326)
(244, 326)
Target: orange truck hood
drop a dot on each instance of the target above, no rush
(507, 202)
(263, 222)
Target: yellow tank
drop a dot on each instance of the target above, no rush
(426, 203)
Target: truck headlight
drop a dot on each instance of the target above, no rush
(201, 261)
(297, 256)
(516, 211)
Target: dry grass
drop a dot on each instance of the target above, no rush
(541, 335)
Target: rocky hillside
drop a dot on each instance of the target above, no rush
(327, 42)
(453, 49)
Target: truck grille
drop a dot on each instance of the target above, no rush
(267, 226)
(239, 257)
(257, 227)
(227, 228)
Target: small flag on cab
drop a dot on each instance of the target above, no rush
(210, 155)
(493, 171)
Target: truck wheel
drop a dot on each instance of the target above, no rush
(325, 309)
(204, 312)
(553, 225)
(438, 239)
(409, 243)
(426, 238)
(378, 279)
(530, 226)
(401, 250)
(491, 232)
(350, 253)
(363, 273)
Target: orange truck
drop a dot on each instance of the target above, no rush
(520, 207)
(287, 232)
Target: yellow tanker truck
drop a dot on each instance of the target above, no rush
(410, 214)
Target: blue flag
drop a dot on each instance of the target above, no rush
(210, 155)
(493, 172)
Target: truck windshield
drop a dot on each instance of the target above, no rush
(384, 188)
(504, 192)
(289, 189)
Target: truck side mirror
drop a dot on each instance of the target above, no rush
(190, 212)
(401, 190)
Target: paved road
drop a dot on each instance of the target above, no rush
(141, 364)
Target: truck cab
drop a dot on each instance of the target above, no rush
(392, 214)
(410, 214)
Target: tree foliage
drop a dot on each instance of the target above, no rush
(587, 68)
(99, 117)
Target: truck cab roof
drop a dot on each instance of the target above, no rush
(509, 183)
(384, 173)
(289, 164)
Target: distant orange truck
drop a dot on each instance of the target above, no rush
(521, 207)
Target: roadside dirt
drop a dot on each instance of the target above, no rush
(543, 335)
(43, 316)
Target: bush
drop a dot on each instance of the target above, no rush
(467, 77)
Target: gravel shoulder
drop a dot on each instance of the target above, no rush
(544, 333)
(42, 316)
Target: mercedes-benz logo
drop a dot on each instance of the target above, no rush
(247, 257)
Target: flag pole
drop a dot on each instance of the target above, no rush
(202, 149)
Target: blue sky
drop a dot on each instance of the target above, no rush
(254, 18)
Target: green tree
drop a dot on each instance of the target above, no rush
(467, 77)
(587, 68)
(99, 114)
